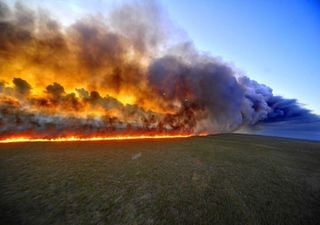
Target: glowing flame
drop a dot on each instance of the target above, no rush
(76, 139)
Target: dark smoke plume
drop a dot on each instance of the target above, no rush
(122, 74)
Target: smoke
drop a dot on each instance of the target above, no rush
(22, 87)
(121, 74)
(208, 89)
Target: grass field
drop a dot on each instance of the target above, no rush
(223, 179)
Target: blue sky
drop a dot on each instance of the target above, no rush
(275, 42)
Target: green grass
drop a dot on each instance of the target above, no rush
(223, 179)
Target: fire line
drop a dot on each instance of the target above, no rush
(77, 139)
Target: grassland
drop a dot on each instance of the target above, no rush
(224, 179)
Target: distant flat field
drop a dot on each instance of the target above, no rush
(223, 179)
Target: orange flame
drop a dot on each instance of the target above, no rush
(89, 139)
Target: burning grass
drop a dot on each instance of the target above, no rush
(98, 138)
(224, 179)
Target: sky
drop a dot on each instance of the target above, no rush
(275, 42)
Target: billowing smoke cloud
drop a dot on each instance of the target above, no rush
(116, 74)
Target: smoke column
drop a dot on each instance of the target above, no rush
(124, 74)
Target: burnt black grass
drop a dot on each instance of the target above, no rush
(223, 179)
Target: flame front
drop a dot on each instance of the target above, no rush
(76, 139)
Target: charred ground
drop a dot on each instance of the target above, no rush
(224, 179)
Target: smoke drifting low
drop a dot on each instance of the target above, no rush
(121, 74)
